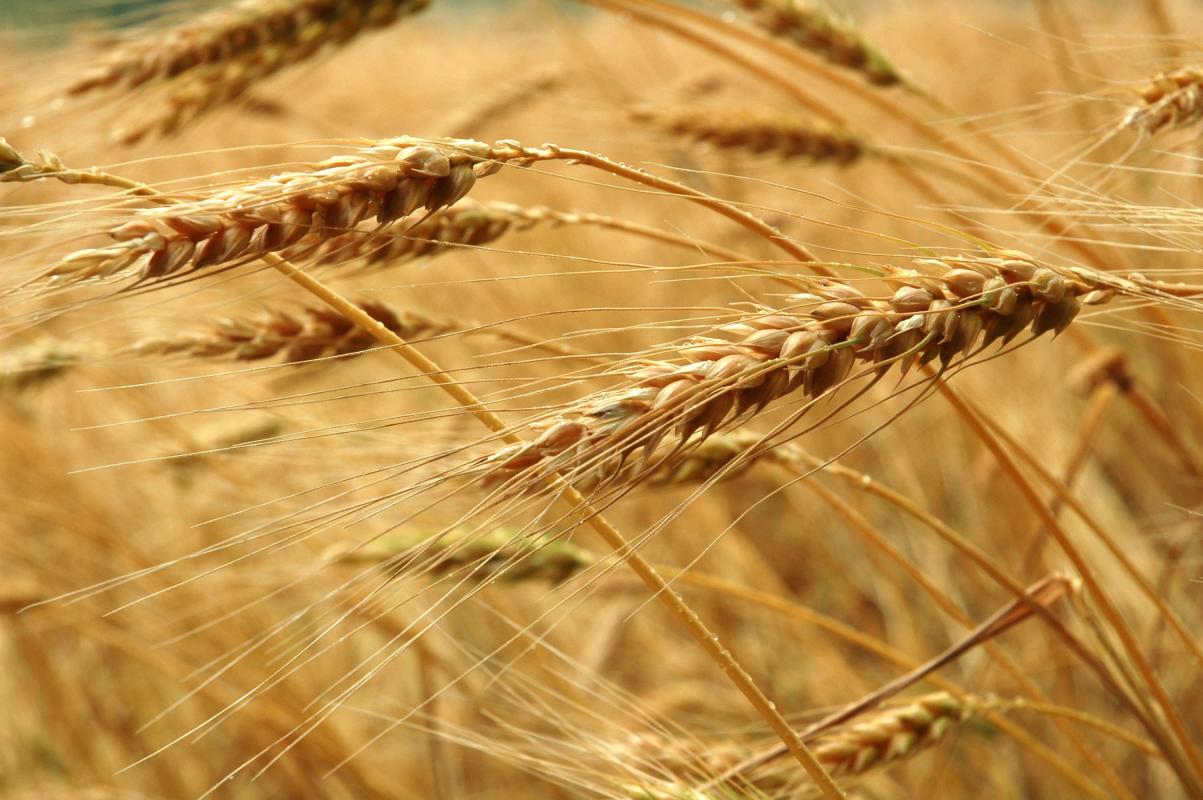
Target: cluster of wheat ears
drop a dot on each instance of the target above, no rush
(818, 417)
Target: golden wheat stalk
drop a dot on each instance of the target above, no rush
(758, 131)
(283, 31)
(386, 181)
(808, 348)
(315, 332)
(818, 30)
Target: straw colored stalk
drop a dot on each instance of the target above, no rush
(385, 181)
(818, 30)
(502, 554)
(807, 349)
(315, 332)
(1170, 100)
(758, 131)
(274, 32)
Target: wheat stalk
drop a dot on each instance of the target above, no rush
(281, 31)
(820, 31)
(387, 180)
(315, 332)
(758, 131)
(808, 349)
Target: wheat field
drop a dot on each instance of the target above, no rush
(635, 399)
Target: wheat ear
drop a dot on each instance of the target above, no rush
(890, 735)
(503, 554)
(1170, 100)
(386, 181)
(808, 349)
(472, 224)
(758, 131)
(818, 30)
(283, 30)
(315, 332)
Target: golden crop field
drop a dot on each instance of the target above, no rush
(637, 399)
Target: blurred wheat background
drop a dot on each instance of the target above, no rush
(246, 551)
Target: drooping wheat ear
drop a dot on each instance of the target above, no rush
(314, 332)
(505, 554)
(820, 31)
(758, 131)
(808, 348)
(279, 32)
(1170, 100)
(890, 735)
(385, 181)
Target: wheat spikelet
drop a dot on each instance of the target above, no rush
(502, 554)
(891, 735)
(807, 349)
(758, 131)
(386, 181)
(316, 332)
(277, 31)
(820, 31)
(1170, 100)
